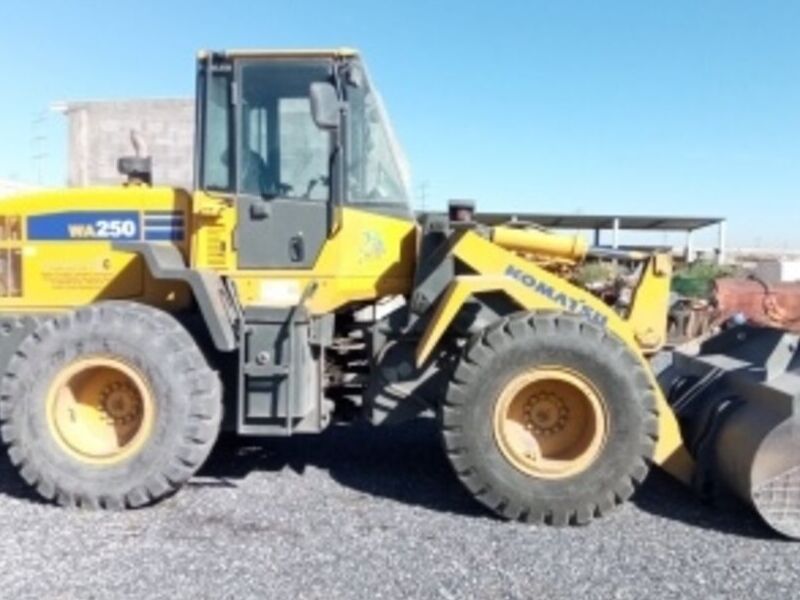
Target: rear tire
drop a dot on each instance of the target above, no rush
(549, 419)
(110, 406)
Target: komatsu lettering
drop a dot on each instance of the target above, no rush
(568, 303)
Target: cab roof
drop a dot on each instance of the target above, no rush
(282, 53)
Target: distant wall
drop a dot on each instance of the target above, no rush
(778, 271)
(99, 133)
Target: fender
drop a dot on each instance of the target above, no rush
(218, 307)
(528, 285)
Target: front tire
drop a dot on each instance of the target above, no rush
(109, 406)
(549, 419)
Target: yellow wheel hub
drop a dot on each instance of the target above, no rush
(100, 410)
(550, 423)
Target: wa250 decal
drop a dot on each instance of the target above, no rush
(107, 225)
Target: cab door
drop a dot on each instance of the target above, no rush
(283, 164)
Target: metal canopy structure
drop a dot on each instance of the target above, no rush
(595, 222)
(617, 223)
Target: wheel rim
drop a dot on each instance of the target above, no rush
(100, 410)
(550, 423)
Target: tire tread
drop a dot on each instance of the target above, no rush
(494, 340)
(189, 368)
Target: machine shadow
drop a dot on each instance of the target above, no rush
(406, 463)
(663, 496)
(12, 485)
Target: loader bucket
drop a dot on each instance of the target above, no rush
(737, 401)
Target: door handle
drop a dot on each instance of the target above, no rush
(297, 248)
(260, 210)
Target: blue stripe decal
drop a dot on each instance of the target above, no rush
(163, 228)
(156, 235)
(84, 226)
(162, 213)
(162, 221)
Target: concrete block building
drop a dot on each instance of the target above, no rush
(100, 133)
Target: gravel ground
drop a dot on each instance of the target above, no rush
(370, 513)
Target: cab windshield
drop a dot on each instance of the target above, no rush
(377, 172)
(279, 151)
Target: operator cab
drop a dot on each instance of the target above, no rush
(292, 136)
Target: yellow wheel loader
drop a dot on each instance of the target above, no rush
(294, 286)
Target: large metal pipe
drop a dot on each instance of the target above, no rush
(737, 402)
(757, 454)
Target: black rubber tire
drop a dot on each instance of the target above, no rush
(187, 394)
(521, 342)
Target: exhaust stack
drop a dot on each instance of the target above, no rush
(138, 169)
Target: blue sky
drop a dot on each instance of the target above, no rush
(681, 107)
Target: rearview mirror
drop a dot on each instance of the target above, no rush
(324, 105)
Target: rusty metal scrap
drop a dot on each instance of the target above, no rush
(774, 305)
